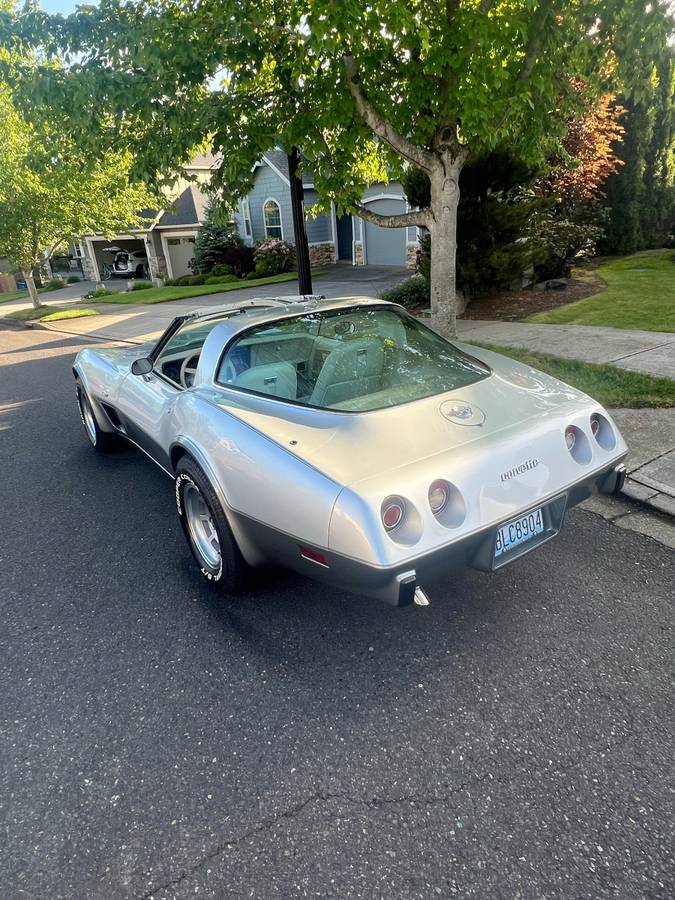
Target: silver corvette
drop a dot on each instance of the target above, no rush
(347, 441)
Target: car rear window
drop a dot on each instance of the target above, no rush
(354, 360)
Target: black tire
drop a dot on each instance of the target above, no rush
(101, 441)
(230, 574)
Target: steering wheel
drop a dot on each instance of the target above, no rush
(187, 370)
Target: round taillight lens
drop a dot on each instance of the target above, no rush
(595, 425)
(570, 438)
(438, 496)
(393, 510)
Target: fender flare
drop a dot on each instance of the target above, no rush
(247, 547)
(100, 415)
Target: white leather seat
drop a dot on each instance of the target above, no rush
(275, 379)
(351, 370)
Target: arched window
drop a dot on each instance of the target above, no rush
(272, 216)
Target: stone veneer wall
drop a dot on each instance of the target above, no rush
(157, 264)
(358, 254)
(411, 256)
(322, 254)
(87, 265)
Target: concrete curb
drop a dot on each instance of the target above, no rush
(648, 497)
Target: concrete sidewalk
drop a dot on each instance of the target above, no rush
(652, 352)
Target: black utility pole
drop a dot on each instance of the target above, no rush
(298, 207)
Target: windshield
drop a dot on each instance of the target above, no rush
(354, 359)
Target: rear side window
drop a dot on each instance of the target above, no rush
(354, 359)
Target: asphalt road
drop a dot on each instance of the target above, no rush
(514, 740)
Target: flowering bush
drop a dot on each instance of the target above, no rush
(274, 256)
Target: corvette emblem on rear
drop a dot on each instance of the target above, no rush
(462, 413)
(519, 470)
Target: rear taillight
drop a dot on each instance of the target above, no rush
(595, 425)
(438, 496)
(602, 431)
(393, 511)
(570, 437)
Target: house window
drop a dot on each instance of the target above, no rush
(272, 216)
(246, 212)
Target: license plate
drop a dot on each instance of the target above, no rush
(519, 531)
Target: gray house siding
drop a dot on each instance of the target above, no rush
(269, 186)
(370, 243)
(318, 229)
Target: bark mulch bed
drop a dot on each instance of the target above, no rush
(510, 306)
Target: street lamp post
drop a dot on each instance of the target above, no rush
(298, 209)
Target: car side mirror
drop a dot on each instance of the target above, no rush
(141, 366)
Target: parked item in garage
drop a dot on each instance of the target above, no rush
(124, 263)
(348, 441)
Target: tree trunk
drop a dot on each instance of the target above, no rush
(32, 290)
(443, 228)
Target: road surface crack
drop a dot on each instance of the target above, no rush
(296, 810)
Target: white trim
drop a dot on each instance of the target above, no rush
(281, 218)
(138, 236)
(246, 218)
(167, 256)
(92, 258)
(333, 224)
(384, 197)
(318, 243)
(193, 225)
(281, 175)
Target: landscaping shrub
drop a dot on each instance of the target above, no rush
(273, 257)
(54, 284)
(141, 285)
(98, 292)
(411, 293)
(240, 259)
(221, 279)
(251, 276)
(73, 279)
(213, 242)
(190, 280)
(169, 282)
(221, 269)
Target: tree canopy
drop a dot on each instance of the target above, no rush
(364, 89)
(50, 194)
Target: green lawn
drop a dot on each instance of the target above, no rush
(640, 294)
(73, 312)
(12, 295)
(50, 314)
(606, 384)
(164, 294)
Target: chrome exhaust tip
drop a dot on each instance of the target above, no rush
(420, 598)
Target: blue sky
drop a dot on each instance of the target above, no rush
(63, 6)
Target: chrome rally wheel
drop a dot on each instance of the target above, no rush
(88, 419)
(207, 530)
(203, 534)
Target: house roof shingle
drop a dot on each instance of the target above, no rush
(279, 160)
(188, 209)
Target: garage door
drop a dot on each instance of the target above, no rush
(181, 251)
(385, 246)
